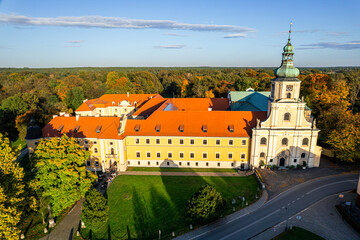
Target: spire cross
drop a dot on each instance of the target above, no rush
(290, 30)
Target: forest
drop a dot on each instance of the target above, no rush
(331, 93)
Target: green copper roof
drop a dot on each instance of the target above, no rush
(287, 69)
(249, 100)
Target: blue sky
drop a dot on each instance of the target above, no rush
(62, 33)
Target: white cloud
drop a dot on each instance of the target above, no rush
(174, 35)
(75, 41)
(118, 22)
(236, 35)
(334, 45)
(336, 34)
(170, 46)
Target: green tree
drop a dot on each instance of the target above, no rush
(61, 176)
(75, 97)
(95, 210)
(205, 205)
(11, 190)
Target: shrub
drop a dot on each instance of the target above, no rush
(95, 210)
(262, 163)
(298, 166)
(205, 205)
(292, 166)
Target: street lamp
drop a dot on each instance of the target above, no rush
(339, 197)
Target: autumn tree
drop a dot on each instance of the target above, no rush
(95, 210)
(11, 190)
(60, 175)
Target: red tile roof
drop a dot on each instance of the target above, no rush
(217, 123)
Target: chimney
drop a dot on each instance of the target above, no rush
(209, 109)
(84, 100)
(77, 117)
(128, 94)
(54, 116)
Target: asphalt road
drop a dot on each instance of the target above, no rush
(279, 208)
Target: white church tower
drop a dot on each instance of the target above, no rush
(289, 135)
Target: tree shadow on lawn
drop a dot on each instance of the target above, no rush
(142, 217)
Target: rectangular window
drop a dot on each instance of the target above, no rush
(169, 141)
(95, 142)
(137, 141)
(232, 164)
(218, 142)
(207, 164)
(147, 141)
(96, 163)
(169, 154)
(192, 141)
(231, 142)
(157, 141)
(95, 150)
(218, 164)
(111, 143)
(270, 160)
(157, 163)
(243, 142)
(204, 142)
(128, 162)
(148, 163)
(179, 163)
(181, 155)
(138, 162)
(148, 154)
(181, 141)
(243, 156)
(204, 155)
(87, 163)
(86, 142)
(167, 163)
(217, 155)
(188, 163)
(230, 155)
(86, 148)
(196, 164)
(295, 160)
(192, 155)
(138, 154)
(158, 154)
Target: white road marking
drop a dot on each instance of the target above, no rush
(289, 204)
(298, 198)
(283, 206)
(302, 196)
(293, 201)
(253, 223)
(315, 189)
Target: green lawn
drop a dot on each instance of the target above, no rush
(18, 142)
(156, 169)
(297, 233)
(141, 205)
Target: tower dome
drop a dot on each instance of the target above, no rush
(287, 69)
(33, 131)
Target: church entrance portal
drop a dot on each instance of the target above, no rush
(282, 162)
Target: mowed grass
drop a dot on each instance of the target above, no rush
(297, 233)
(158, 169)
(140, 206)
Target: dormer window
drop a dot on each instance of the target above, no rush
(98, 129)
(231, 128)
(204, 128)
(181, 128)
(60, 128)
(137, 127)
(113, 103)
(288, 95)
(76, 128)
(157, 128)
(287, 117)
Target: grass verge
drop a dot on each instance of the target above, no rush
(156, 169)
(140, 206)
(297, 233)
(18, 142)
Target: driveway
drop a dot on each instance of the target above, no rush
(278, 181)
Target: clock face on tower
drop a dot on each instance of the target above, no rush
(289, 87)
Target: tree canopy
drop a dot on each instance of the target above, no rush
(95, 210)
(61, 176)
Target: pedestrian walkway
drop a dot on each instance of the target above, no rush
(230, 218)
(202, 174)
(321, 218)
(68, 225)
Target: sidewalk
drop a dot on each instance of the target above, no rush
(68, 225)
(215, 174)
(232, 217)
(321, 218)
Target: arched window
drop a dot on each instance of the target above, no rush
(287, 117)
(263, 141)
(288, 95)
(303, 155)
(112, 150)
(305, 141)
(284, 142)
(262, 155)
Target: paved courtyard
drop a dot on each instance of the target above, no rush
(278, 181)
